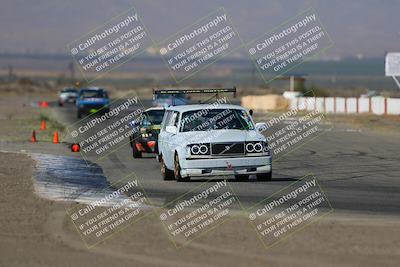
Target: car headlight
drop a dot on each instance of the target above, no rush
(249, 147)
(199, 149)
(195, 149)
(257, 147)
(203, 149)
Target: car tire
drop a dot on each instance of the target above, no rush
(131, 140)
(165, 172)
(135, 152)
(241, 177)
(60, 104)
(264, 176)
(156, 148)
(177, 171)
(79, 114)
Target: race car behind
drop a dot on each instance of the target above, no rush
(67, 95)
(92, 100)
(145, 132)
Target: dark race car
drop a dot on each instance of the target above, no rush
(92, 100)
(145, 132)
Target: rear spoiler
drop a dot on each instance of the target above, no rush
(215, 91)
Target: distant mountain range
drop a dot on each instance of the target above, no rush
(361, 28)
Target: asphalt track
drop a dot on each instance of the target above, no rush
(358, 170)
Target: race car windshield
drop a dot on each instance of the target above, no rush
(153, 117)
(94, 94)
(216, 119)
(69, 91)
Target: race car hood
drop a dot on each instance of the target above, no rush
(155, 127)
(220, 136)
(99, 101)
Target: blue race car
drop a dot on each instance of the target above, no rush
(92, 100)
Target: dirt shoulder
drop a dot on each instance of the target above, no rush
(20, 115)
(26, 238)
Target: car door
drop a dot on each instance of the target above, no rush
(169, 139)
(161, 136)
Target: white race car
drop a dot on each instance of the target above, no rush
(212, 140)
(67, 95)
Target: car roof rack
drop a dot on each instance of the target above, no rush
(214, 91)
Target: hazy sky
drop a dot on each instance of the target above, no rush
(364, 27)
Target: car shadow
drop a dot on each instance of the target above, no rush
(251, 180)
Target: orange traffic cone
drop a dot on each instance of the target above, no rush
(75, 148)
(44, 104)
(55, 138)
(33, 138)
(43, 125)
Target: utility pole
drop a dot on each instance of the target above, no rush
(71, 70)
(291, 83)
(10, 72)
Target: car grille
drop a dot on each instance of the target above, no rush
(227, 149)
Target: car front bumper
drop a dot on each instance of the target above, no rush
(226, 166)
(93, 109)
(70, 99)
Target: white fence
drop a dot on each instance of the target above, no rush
(376, 105)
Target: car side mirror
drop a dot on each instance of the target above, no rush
(171, 129)
(261, 126)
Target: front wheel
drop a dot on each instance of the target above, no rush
(135, 152)
(131, 143)
(177, 171)
(241, 177)
(165, 172)
(264, 176)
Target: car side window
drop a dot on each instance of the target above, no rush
(176, 119)
(166, 119)
(172, 118)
